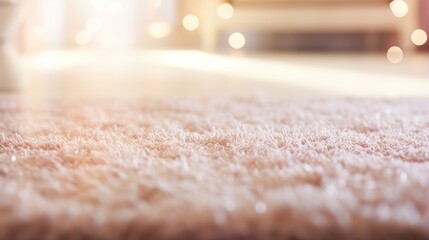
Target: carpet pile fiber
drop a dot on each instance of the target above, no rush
(214, 168)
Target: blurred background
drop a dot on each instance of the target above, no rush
(294, 25)
(372, 48)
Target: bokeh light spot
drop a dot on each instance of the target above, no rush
(225, 11)
(419, 37)
(237, 40)
(191, 22)
(159, 29)
(395, 54)
(399, 8)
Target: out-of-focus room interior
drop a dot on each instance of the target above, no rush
(214, 119)
(189, 47)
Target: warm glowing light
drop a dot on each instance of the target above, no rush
(399, 8)
(237, 40)
(191, 22)
(158, 29)
(38, 30)
(94, 24)
(225, 11)
(99, 5)
(419, 37)
(114, 8)
(154, 3)
(395, 54)
(83, 37)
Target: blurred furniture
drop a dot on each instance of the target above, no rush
(300, 16)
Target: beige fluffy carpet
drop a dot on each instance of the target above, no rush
(215, 168)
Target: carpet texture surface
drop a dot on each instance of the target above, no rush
(215, 168)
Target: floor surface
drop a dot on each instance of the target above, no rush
(195, 73)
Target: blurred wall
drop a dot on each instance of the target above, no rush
(424, 19)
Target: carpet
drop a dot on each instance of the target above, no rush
(214, 168)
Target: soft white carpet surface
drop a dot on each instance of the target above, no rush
(216, 168)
